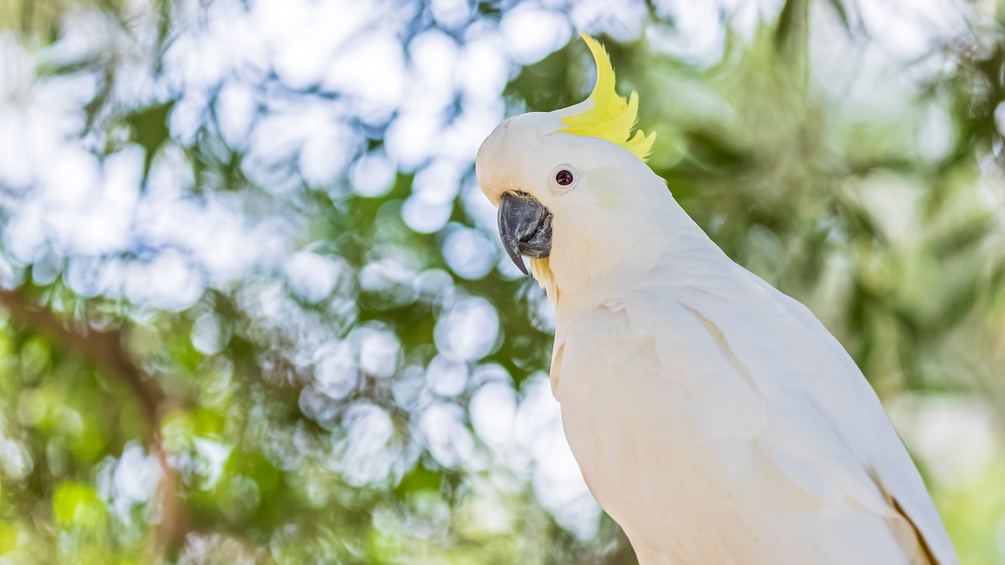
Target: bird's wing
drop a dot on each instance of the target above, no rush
(888, 462)
(825, 427)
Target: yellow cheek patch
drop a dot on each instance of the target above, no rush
(541, 269)
(609, 187)
(611, 117)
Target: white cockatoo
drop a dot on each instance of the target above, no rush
(713, 417)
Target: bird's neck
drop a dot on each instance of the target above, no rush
(589, 268)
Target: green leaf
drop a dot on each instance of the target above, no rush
(148, 128)
(78, 505)
(8, 537)
(419, 479)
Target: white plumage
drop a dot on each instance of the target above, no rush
(713, 417)
(723, 424)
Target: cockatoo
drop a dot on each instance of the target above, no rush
(713, 417)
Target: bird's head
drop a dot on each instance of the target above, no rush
(573, 189)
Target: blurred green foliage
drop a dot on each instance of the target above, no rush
(280, 355)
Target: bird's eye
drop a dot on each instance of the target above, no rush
(563, 177)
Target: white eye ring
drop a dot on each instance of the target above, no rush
(564, 178)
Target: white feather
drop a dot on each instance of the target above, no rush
(717, 421)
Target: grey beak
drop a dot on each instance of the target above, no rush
(524, 227)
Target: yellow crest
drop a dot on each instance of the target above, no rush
(611, 117)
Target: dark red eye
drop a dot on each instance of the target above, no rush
(563, 177)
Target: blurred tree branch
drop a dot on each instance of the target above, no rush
(105, 350)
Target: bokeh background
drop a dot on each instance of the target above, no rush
(253, 308)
